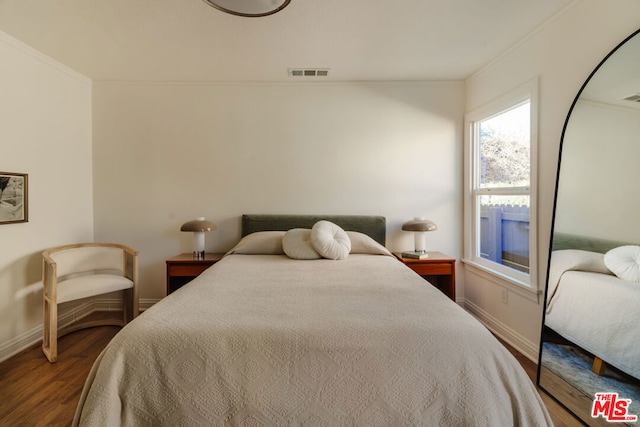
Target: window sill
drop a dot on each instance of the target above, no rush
(515, 286)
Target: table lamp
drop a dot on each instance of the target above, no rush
(420, 226)
(198, 226)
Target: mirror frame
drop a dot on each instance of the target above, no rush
(553, 224)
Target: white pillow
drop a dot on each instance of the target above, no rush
(624, 262)
(363, 244)
(329, 240)
(260, 243)
(296, 243)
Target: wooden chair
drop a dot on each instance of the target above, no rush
(84, 270)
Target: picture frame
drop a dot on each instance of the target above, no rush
(14, 197)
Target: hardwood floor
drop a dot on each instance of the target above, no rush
(36, 393)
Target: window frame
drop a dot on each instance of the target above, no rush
(527, 92)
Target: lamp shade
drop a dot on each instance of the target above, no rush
(198, 226)
(419, 224)
(249, 8)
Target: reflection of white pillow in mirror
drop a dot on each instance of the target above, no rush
(624, 262)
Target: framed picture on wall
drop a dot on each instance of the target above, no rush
(14, 201)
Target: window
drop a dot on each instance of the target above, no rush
(500, 195)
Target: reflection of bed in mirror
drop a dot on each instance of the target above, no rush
(591, 307)
(591, 338)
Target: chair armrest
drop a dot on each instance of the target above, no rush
(130, 264)
(49, 276)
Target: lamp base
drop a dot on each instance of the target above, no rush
(415, 254)
(198, 254)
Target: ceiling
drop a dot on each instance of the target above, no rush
(358, 40)
(618, 77)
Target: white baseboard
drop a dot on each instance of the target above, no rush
(512, 337)
(33, 336)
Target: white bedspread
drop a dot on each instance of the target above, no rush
(267, 340)
(594, 309)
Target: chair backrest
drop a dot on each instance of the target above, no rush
(87, 257)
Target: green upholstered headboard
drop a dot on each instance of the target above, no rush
(591, 244)
(373, 226)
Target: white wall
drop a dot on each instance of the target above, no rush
(597, 195)
(167, 153)
(562, 54)
(46, 133)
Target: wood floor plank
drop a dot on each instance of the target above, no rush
(34, 392)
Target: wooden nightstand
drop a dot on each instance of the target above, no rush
(183, 268)
(439, 269)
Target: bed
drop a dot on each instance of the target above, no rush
(261, 338)
(591, 306)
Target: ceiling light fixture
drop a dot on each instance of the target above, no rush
(249, 8)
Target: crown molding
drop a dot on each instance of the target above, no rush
(41, 57)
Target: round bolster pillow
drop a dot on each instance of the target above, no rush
(329, 240)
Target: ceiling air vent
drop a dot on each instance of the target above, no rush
(308, 72)
(632, 98)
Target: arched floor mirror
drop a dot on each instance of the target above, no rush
(590, 345)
